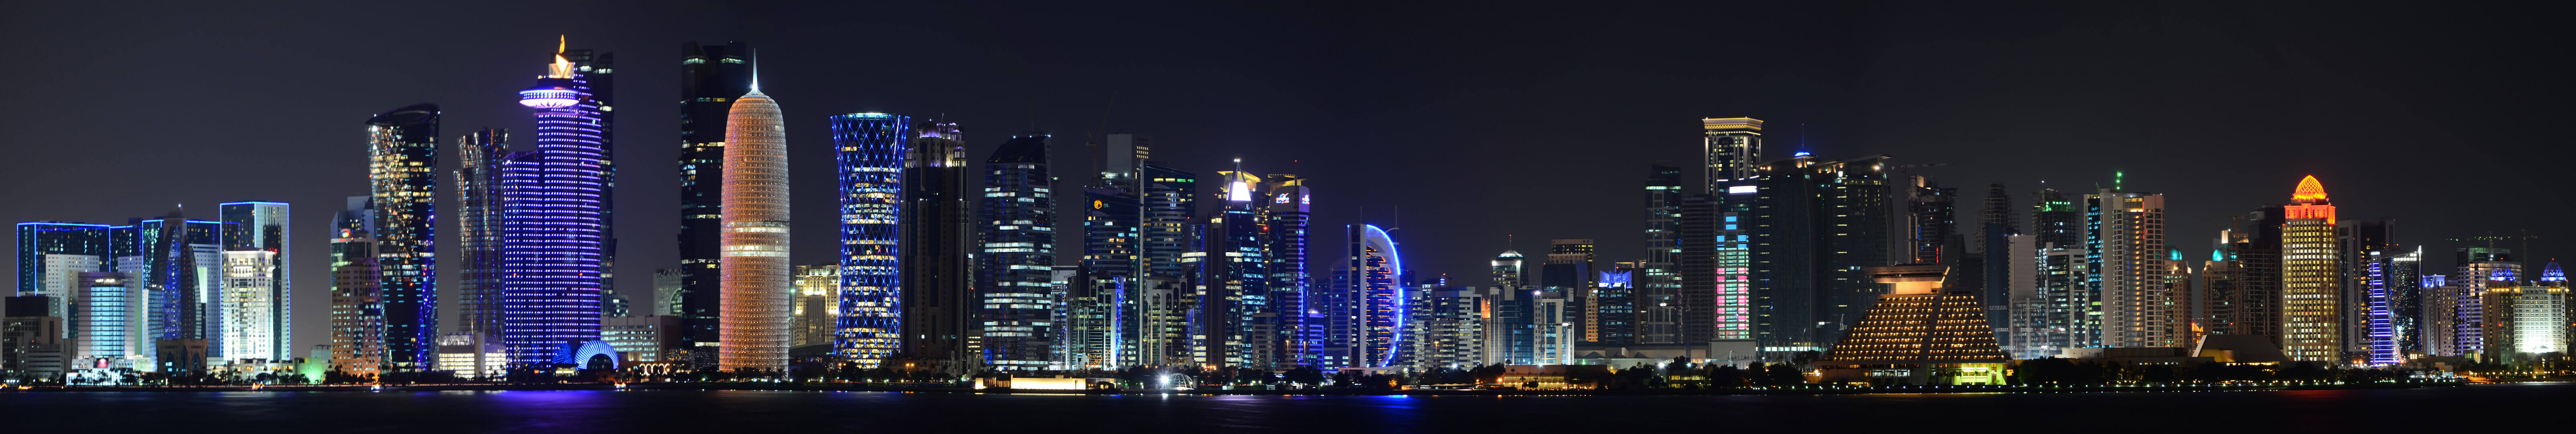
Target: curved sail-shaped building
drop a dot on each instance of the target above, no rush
(1377, 273)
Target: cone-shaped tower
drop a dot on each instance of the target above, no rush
(754, 324)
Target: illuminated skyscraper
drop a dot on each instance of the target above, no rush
(2358, 245)
(754, 332)
(478, 236)
(51, 258)
(2311, 280)
(2402, 278)
(1234, 283)
(937, 247)
(711, 78)
(2130, 265)
(1510, 309)
(1375, 269)
(870, 148)
(1816, 223)
(554, 225)
(402, 174)
(1300, 326)
(181, 263)
(1932, 216)
(1159, 304)
(263, 313)
(1659, 284)
(357, 308)
(1017, 228)
(2482, 270)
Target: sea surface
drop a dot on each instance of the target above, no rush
(643, 411)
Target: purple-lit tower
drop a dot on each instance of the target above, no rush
(554, 220)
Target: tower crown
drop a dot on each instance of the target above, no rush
(555, 89)
(2310, 191)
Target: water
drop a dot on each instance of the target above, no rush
(2345, 411)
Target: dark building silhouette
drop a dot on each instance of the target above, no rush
(711, 77)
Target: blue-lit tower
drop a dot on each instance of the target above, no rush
(402, 186)
(1017, 228)
(1242, 329)
(1300, 322)
(870, 152)
(554, 221)
(1375, 268)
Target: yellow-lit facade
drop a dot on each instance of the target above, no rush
(755, 321)
(1918, 333)
(2311, 277)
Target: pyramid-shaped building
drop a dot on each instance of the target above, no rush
(1921, 332)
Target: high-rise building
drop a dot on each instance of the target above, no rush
(2056, 220)
(1234, 279)
(1997, 212)
(1510, 312)
(555, 225)
(937, 240)
(1446, 328)
(594, 74)
(2130, 272)
(181, 259)
(52, 256)
(258, 227)
(753, 330)
(1017, 228)
(1730, 149)
(870, 148)
(402, 174)
(1375, 271)
(1816, 224)
(1299, 326)
(252, 323)
(2358, 245)
(1659, 283)
(2311, 281)
(712, 77)
(2256, 250)
(357, 308)
(816, 285)
(2061, 316)
(480, 156)
(1158, 304)
(2481, 271)
(2440, 335)
(2402, 281)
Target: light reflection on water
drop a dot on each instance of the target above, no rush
(753, 411)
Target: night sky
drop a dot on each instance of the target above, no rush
(1477, 120)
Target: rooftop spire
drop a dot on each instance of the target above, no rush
(755, 70)
(562, 68)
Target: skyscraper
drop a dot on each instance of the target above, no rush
(1375, 269)
(2402, 281)
(1300, 327)
(938, 240)
(1659, 284)
(480, 156)
(754, 333)
(262, 310)
(1509, 309)
(180, 259)
(357, 308)
(1816, 224)
(711, 78)
(816, 285)
(1018, 227)
(402, 174)
(52, 256)
(2482, 272)
(1233, 279)
(2359, 244)
(1932, 216)
(870, 148)
(593, 73)
(2129, 272)
(555, 227)
(2311, 281)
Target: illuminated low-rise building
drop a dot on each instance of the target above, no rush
(472, 357)
(1921, 332)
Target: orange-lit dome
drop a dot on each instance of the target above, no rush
(2310, 191)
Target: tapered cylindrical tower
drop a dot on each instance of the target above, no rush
(754, 327)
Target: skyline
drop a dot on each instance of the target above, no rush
(1598, 188)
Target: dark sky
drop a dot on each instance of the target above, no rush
(1478, 120)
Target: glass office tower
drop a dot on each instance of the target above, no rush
(870, 152)
(402, 173)
(554, 225)
(1016, 225)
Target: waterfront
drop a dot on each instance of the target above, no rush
(749, 411)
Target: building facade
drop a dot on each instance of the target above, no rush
(754, 328)
(870, 148)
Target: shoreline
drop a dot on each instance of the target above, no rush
(850, 387)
